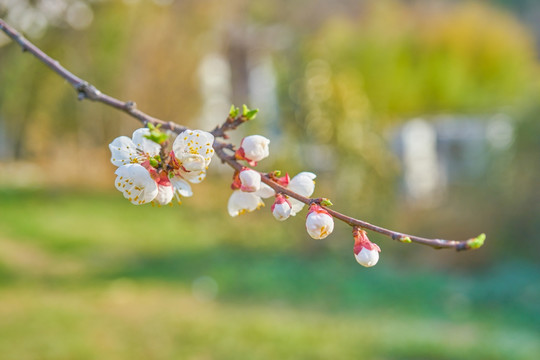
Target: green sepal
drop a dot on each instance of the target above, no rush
(476, 242)
(153, 162)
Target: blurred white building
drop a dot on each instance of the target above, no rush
(447, 150)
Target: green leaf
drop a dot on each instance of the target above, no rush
(156, 135)
(405, 239)
(326, 202)
(476, 242)
(234, 111)
(252, 114)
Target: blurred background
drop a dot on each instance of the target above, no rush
(419, 116)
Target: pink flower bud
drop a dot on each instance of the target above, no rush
(365, 252)
(281, 209)
(250, 180)
(253, 148)
(319, 223)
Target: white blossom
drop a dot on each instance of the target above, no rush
(194, 142)
(193, 151)
(241, 202)
(135, 150)
(319, 224)
(135, 182)
(254, 148)
(250, 180)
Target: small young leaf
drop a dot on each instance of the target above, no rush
(326, 202)
(234, 111)
(476, 242)
(405, 239)
(252, 114)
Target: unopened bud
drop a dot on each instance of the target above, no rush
(366, 253)
(281, 209)
(250, 180)
(253, 148)
(319, 223)
(476, 242)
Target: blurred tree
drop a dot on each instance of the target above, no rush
(348, 72)
(362, 73)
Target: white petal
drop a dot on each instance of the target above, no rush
(319, 225)
(303, 183)
(367, 257)
(165, 194)
(194, 162)
(135, 182)
(241, 202)
(145, 145)
(193, 177)
(265, 191)
(123, 151)
(296, 206)
(182, 187)
(192, 142)
(255, 147)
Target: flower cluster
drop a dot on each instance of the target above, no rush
(250, 190)
(150, 169)
(149, 172)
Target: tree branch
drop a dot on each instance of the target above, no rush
(86, 90)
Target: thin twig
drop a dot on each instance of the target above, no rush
(86, 90)
(435, 243)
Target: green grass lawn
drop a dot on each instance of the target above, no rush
(87, 275)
